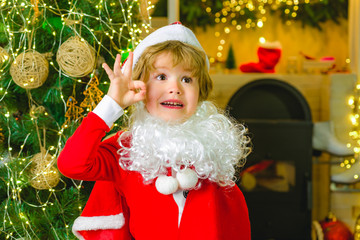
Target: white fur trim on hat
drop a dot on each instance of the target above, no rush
(97, 223)
(271, 45)
(176, 32)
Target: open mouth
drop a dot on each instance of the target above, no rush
(172, 104)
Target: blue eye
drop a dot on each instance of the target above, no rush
(161, 77)
(186, 79)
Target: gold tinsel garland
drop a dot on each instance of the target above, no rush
(76, 57)
(30, 69)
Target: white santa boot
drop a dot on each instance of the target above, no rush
(349, 176)
(324, 140)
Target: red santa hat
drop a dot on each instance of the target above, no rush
(176, 32)
(103, 216)
(269, 54)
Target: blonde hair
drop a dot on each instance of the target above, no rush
(192, 58)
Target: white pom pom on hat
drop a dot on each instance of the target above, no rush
(175, 31)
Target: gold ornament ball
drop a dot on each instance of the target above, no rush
(30, 69)
(44, 174)
(76, 57)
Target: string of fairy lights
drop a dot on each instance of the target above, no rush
(354, 103)
(236, 15)
(21, 20)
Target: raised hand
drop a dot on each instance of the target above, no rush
(122, 88)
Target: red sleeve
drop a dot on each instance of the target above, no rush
(85, 157)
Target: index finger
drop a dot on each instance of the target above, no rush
(108, 71)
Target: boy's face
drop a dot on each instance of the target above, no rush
(172, 92)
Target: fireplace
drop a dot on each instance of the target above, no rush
(276, 180)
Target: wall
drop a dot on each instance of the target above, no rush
(331, 41)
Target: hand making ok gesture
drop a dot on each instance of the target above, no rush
(122, 88)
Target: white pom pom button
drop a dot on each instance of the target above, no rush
(166, 184)
(187, 179)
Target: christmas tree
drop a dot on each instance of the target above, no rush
(51, 54)
(230, 61)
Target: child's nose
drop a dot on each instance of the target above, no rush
(174, 87)
(174, 91)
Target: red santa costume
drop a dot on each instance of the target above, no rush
(124, 206)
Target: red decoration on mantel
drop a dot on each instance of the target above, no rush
(269, 54)
(334, 229)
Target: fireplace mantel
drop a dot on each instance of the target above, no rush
(315, 88)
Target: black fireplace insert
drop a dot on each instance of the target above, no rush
(276, 180)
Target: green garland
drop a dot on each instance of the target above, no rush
(314, 14)
(194, 13)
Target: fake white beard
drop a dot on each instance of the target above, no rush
(208, 142)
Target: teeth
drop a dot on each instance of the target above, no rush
(171, 103)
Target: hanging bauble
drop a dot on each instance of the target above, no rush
(4, 57)
(30, 69)
(43, 173)
(76, 57)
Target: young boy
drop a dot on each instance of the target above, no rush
(171, 175)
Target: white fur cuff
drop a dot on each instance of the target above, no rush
(108, 110)
(97, 223)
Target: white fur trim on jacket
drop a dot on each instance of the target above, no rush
(97, 223)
